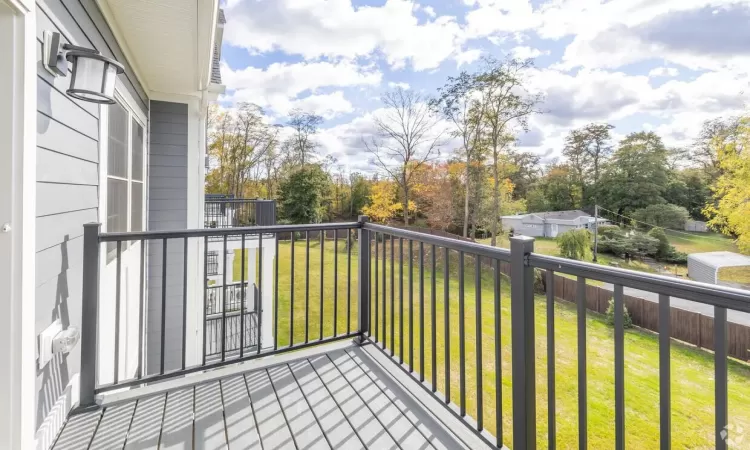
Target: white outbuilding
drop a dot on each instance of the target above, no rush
(705, 267)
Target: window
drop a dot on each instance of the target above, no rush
(212, 265)
(125, 174)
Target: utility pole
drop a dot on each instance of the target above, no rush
(596, 229)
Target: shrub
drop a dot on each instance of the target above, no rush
(627, 321)
(665, 216)
(575, 244)
(664, 248)
(610, 231)
(633, 244)
(675, 257)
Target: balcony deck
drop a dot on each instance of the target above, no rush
(333, 396)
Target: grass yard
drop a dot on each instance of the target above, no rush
(692, 369)
(693, 242)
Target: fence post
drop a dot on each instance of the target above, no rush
(523, 357)
(89, 312)
(364, 279)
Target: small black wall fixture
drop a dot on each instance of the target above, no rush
(93, 76)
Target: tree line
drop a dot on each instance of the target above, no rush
(453, 159)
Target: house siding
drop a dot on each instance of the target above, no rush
(167, 199)
(67, 194)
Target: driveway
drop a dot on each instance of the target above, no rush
(689, 305)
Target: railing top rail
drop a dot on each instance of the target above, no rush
(212, 232)
(711, 294)
(453, 244)
(239, 200)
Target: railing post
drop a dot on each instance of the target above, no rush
(364, 279)
(89, 312)
(523, 357)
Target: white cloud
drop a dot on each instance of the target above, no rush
(525, 52)
(398, 84)
(663, 72)
(430, 11)
(279, 85)
(467, 57)
(335, 28)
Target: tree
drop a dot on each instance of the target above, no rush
(691, 189)
(665, 216)
(435, 186)
(407, 137)
(303, 195)
(383, 204)
(586, 150)
(716, 134)
(731, 208)
(664, 248)
(305, 126)
(575, 244)
(558, 189)
(503, 88)
(459, 103)
(239, 142)
(598, 148)
(359, 193)
(637, 175)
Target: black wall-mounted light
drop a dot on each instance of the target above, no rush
(94, 75)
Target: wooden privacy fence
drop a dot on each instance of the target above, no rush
(687, 326)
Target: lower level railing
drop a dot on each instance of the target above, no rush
(480, 328)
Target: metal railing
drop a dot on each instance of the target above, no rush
(162, 267)
(238, 212)
(415, 297)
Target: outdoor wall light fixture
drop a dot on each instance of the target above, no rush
(94, 75)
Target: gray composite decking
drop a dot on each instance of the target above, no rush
(343, 397)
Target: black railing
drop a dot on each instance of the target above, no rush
(212, 263)
(422, 301)
(233, 213)
(233, 326)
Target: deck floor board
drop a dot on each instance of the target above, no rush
(341, 398)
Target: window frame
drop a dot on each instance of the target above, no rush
(133, 115)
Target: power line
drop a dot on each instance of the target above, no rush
(656, 226)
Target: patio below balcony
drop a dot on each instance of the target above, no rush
(337, 395)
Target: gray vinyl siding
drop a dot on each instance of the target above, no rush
(67, 186)
(167, 200)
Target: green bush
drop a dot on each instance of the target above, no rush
(627, 321)
(675, 257)
(575, 244)
(610, 231)
(665, 216)
(664, 248)
(633, 244)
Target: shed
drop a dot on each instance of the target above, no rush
(705, 267)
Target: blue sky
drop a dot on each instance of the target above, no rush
(663, 65)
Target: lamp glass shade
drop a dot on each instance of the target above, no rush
(93, 78)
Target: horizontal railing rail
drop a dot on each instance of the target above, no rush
(233, 212)
(710, 294)
(140, 308)
(436, 306)
(221, 232)
(404, 308)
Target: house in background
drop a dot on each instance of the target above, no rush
(548, 224)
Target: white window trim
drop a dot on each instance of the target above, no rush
(130, 106)
(18, 374)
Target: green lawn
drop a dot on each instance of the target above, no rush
(692, 369)
(693, 242)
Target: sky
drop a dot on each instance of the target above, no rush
(653, 65)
